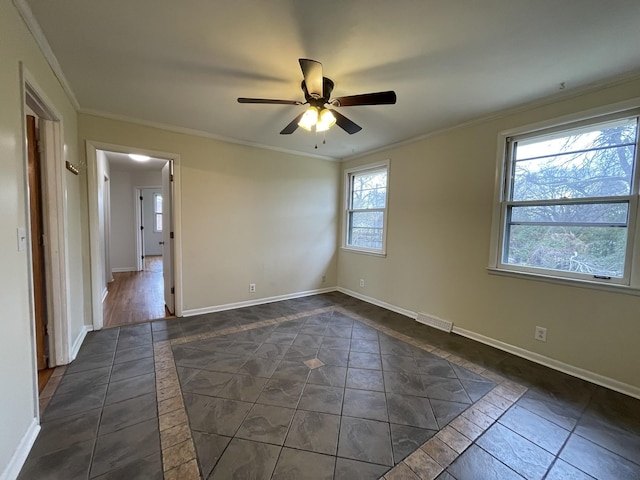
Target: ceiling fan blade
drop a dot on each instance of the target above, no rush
(267, 100)
(346, 124)
(377, 98)
(289, 129)
(312, 72)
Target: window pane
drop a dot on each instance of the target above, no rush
(607, 213)
(587, 162)
(158, 222)
(588, 250)
(366, 229)
(158, 203)
(369, 190)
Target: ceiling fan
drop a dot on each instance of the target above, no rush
(317, 93)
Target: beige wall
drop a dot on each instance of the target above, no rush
(248, 215)
(17, 371)
(440, 205)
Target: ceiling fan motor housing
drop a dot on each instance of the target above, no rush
(327, 88)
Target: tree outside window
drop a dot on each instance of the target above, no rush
(366, 208)
(569, 199)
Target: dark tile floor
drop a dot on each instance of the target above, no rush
(369, 403)
(323, 396)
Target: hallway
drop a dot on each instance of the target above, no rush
(323, 387)
(136, 297)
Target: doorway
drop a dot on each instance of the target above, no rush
(136, 295)
(38, 270)
(140, 283)
(44, 237)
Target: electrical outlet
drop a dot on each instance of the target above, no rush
(541, 334)
(252, 288)
(324, 278)
(362, 283)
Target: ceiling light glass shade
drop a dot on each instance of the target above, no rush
(327, 120)
(309, 119)
(138, 158)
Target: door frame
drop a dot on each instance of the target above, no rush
(54, 223)
(140, 233)
(137, 193)
(92, 146)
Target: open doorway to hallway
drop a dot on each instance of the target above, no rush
(134, 217)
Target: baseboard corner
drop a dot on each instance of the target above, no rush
(75, 348)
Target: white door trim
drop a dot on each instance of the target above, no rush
(55, 225)
(137, 193)
(94, 233)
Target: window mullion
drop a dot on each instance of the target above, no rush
(581, 240)
(570, 201)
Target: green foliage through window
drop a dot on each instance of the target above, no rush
(367, 201)
(568, 197)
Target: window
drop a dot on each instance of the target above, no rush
(157, 212)
(569, 200)
(366, 208)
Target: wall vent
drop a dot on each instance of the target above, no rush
(434, 322)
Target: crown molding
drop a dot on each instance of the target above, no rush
(557, 97)
(38, 35)
(199, 133)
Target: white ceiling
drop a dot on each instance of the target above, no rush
(184, 63)
(122, 161)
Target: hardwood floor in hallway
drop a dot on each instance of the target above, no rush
(136, 297)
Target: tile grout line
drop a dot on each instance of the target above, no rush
(179, 459)
(440, 451)
(428, 461)
(50, 388)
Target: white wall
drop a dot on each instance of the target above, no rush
(124, 207)
(248, 215)
(18, 403)
(440, 205)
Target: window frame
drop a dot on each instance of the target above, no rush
(347, 211)
(156, 213)
(503, 183)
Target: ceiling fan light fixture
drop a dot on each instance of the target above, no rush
(327, 120)
(309, 119)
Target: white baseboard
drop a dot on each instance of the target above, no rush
(572, 370)
(22, 452)
(124, 269)
(259, 301)
(552, 363)
(75, 348)
(379, 303)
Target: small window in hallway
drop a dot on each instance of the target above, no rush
(157, 211)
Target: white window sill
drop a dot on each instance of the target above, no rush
(608, 287)
(364, 252)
